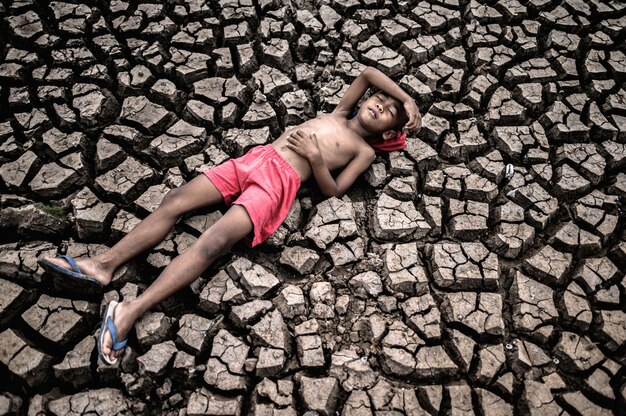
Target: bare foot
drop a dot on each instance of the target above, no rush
(123, 320)
(87, 266)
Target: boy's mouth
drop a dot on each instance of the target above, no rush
(373, 112)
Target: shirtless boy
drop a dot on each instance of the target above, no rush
(259, 187)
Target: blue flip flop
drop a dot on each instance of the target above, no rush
(75, 273)
(108, 325)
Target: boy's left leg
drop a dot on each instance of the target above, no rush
(182, 271)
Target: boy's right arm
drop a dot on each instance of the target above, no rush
(355, 91)
(374, 77)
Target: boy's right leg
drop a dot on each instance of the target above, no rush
(197, 193)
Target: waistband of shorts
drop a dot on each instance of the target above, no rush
(273, 153)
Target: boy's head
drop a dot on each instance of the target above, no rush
(382, 114)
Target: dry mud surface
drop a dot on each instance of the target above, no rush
(436, 286)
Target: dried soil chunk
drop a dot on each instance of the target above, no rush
(503, 109)
(467, 220)
(533, 307)
(220, 288)
(290, 302)
(256, 279)
(152, 328)
(106, 401)
(576, 306)
(423, 316)
(60, 320)
(538, 400)
(397, 220)
(242, 315)
(271, 331)
(14, 174)
(26, 25)
(310, 351)
(491, 403)
(613, 329)
(577, 240)
(399, 346)
(512, 236)
(462, 348)
(434, 17)
(27, 364)
(366, 284)
(13, 297)
(279, 393)
(59, 179)
(585, 406)
(178, 142)
(434, 362)
(352, 371)
(204, 402)
(127, 180)
(145, 115)
(75, 367)
(464, 266)
(597, 211)
(404, 271)
(531, 355)
(549, 265)
(541, 206)
(357, 404)
(300, 259)
(481, 312)
(156, 360)
(96, 106)
(271, 362)
(225, 367)
(91, 214)
(239, 141)
(491, 360)
(319, 394)
(460, 398)
(196, 332)
(330, 219)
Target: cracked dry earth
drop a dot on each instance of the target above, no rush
(438, 285)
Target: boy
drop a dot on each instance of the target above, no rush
(261, 186)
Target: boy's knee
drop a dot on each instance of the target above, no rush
(214, 243)
(172, 200)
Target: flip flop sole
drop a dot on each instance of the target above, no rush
(76, 281)
(108, 312)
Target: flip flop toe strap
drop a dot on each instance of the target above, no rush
(72, 262)
(117, 345)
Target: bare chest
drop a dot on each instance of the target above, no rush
(337, 143)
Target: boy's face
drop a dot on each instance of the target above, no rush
(381, 113)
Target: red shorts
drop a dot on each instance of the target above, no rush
(262, 182)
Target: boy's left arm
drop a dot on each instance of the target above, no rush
(337, 187)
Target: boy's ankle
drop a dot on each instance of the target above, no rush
(104, 264)
(132, 308)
